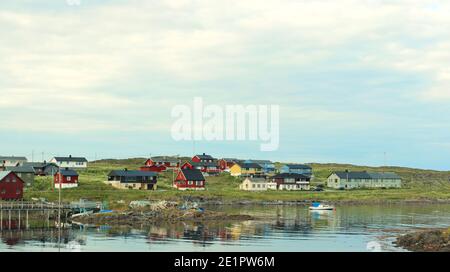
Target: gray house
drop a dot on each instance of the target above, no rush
(26, 173)
(354, 180)
(43, 168)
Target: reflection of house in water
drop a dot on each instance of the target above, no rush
(17, 236)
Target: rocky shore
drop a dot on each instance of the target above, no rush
(144, 217)
(435, 240)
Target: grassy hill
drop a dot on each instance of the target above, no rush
(418, 185)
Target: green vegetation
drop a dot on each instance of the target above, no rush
(418, 185)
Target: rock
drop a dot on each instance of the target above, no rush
(428, 240)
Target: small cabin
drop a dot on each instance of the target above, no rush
(66, 178)
(133, 179)
(189, 179)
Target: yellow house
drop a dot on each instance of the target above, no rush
(246, 169)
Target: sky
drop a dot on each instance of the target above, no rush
(357, 81)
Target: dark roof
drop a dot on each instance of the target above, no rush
(71, 159)
(164, 159)
(39, 164)
(249, 165)
(290, 175)
(193, 174)
(131, 173)
(205, 157)
(21, 169)
(205, 164)
(261, 161)
(230, 159)
(68, 172)
(10, 158)
(366, 175)
(298, 166)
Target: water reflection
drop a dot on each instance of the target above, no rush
(284, 228)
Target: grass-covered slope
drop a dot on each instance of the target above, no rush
(418, 185)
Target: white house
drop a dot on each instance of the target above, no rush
(354, 180)
(12, 161)
(70, 162)
(255, 184)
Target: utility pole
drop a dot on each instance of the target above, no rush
(32, 155)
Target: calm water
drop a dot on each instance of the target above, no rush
(284, 228)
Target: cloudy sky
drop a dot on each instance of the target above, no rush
(353, 78)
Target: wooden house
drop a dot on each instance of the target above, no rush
(11, 186)
(132, 179)
(70, 162)
(66, 178)
(355, 180)
(291, 182)
(9, 161)
(189, 178)
(26, 173)
(246, 169)
(168, 162)
(302, 169)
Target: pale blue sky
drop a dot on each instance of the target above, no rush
(353, 79)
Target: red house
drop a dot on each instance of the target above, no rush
(203, 158)
(153, 168)
(208, 168)
(67, 178)
(226, 163)
(11, 186)
(189, 179)
(168, 162)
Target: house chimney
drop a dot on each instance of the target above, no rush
(70, 156)
(204, 154)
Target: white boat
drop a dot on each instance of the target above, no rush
(321, 207)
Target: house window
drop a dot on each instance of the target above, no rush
(18, 191)
(3, 191)
(69, 178)
(190, 182)
(13, 179)
(199, 183)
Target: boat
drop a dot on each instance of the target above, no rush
(316, 206)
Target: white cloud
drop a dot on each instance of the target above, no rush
(76, 56)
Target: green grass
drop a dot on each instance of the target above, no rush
(418, 185)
